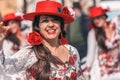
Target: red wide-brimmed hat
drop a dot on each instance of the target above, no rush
(97, 11)
(50, 8)
(12, 16)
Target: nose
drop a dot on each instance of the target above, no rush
(50, 23)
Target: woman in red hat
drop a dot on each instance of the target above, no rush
(49, 57)
(14, 39)
(103, 48)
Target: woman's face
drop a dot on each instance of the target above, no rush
(99, 21)
(49, 27)
(14, 26)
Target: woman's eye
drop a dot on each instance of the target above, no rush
(56, 20)
(44, 21)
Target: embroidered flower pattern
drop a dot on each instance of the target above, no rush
(15, 47)
(113, 41)
(108, 64)
(69, 72)
(73, 76)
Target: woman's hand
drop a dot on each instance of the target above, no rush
(3, 30)
(87, 77)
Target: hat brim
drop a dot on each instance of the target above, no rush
(96, 15)
(15, 18)
(67, 18)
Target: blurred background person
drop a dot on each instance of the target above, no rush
(103, 48)
(48, 58)
(14, 40)
(78, 30)
(0, 21)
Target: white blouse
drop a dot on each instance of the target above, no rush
(8, 46)
(93, 64)
(24, 59)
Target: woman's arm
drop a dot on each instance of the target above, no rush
(7, 48)
(91, 42)
(3, 30)
(21, 60)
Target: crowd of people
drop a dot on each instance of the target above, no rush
(60, 37)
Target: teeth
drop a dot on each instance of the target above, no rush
(51, 30)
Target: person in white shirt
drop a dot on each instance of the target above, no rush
(13, 41)
(103, 48)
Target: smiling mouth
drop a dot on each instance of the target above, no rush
(51, 31)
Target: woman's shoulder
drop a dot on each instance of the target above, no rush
(71, 48)
(115, 22)
(6, 44)
(6, 41)
(26, 48)
(92, 31)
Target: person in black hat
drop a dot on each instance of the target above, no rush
(78, 30)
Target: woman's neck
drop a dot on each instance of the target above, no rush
(51, 44)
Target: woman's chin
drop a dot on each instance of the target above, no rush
(52, 38)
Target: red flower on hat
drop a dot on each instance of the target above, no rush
(65, 11)
(34, 38)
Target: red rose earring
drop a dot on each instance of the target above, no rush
(34, 38)
(63, 40)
